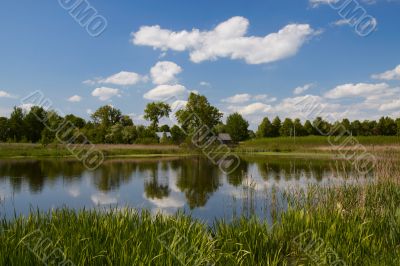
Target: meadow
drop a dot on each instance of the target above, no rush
(350, 224)
(315, 143)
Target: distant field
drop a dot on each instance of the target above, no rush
(317, 143)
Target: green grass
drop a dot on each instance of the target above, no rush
(36, 150)
(358, 224)
(309, 143)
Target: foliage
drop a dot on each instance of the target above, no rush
(198, 112)
(155, 111)
(237, 127)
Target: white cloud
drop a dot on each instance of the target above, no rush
(4, 94)
(205, 84)
(123, 78)
(393, 74)
(245, 97)
(301, 89)
(316, 3)
(238, 98)
(342, 22)
(254, 108)
(228, 40)
(75, 99)
(390, 105)
(105, 93)
(163, 92)
(164, 72)
(356, 90)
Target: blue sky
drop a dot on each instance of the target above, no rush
(245, 56)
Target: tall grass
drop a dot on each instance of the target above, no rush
(309, 143)
(355, 224)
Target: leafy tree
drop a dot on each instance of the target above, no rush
(16, 124)
(398, 126)
(322, 127)
(34, 123)
(356, 128)
(53, 123)
(220, 128)
(237, 127)
(298, 128)
(387, 126)
(178, 136)
(106, 116)
(114, 134)
(198, 112)
(165, 128)
(129, 134)
(287, 128)
(76, 121)
(155, 111)
(126, 121)
(4, 129)
(308, 128)
(276, 127)
(264, 129)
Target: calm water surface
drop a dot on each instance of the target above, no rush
(191, 184)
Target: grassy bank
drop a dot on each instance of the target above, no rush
(316, 144)
(339, 225)
(37, 150)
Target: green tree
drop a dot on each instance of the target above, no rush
(155, 111)
(356, 127)
(165, 128)
(75, 120)
(287, 128)
(237, 127)
(178, 136)
(16, 124)
(264, 129)
(129, 135)
(198, 112)
(398, 126)
(126, 121)
(106, 116)
(308, 128)
(298, 128)
(276, 127)
(4, 129)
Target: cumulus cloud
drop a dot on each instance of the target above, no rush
(301, 89)
(245, 97)
(356, 90)
(105, 93)
(390, 105)
(164, 72)
(75, 99)
(393, 74)
(238, 98)
(123, 78)
(163, 92)
(254, 108)
(4, 94)
(227, 40)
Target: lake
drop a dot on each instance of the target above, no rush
(191, 184)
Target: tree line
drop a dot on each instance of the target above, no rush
(109, 125)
